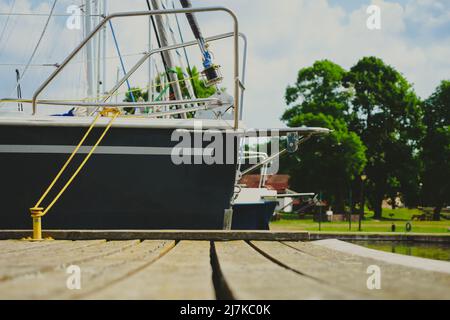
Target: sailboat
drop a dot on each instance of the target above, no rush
(105, 170)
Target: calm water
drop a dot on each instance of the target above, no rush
(436, 251)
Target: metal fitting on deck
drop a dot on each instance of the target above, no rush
(36, 214)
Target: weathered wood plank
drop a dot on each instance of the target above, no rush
(183, 273)
(249, 275)
(337, 275)
(96, 274)
(46, 259)
(27, 248)
(398, 281)
(51, 249)
(177, 235)
(7, 246)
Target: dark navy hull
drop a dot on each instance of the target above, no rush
(115, 190)
(253, 216)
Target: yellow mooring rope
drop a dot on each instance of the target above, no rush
(37, 212)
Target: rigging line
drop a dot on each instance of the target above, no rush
(121, 60)
(37, 46)
(100, 97)
(56, 65)
(185, 51)
(158, 40)
(7, 20)
(31, 65)
(9, 33)
(184, 72)
(46, 14)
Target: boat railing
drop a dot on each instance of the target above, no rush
(250, 155)
(238, 84)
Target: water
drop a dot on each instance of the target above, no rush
(435, 251)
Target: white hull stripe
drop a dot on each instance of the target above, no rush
(59, 149)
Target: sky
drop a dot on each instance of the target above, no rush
(284, 36)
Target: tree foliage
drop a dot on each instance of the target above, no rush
(377, 122)
(387, 117)
(192, 76)
(329, 164)
(436, 149)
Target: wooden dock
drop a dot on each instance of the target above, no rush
(239, 269)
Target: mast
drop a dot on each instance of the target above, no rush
(150, 71)
(89, 51)
(104, 35)
(177, 52)
(167, 54)
(97, 49)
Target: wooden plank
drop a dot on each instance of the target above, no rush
(116, 235)
(96, 274)
(27, 248)
(46, 259)
(397, 281)
(337, 275)
(184, 273)
(51, 249)
(176, 235)
(7, 246)
(250, 275)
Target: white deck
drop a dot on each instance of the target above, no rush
(28, 120)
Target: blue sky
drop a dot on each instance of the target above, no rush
(284, 36)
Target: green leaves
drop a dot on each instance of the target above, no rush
(319, 99)
(318, 89)
(190, 78)
(377, 123)
(388, 120)
(436, 148)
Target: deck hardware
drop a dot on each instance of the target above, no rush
(297, 138)
(36, 215)
(292, 142)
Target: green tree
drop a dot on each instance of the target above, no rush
(193, 76)
(386, 115)
(331, 163)
(195, 80)
(137, 94)
(436, 149)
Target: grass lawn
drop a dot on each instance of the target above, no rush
(398, 216)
